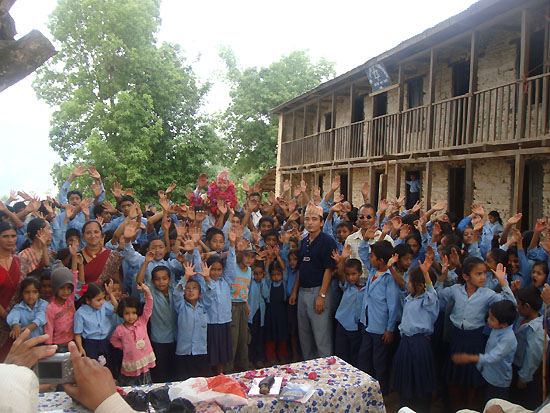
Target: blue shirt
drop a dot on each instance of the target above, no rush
(163, 319)
(349, 310)
(528, 357)
(80, 219)
(414, 185)
(220, 309)
(420, 313)
(290, 272)
(23, 315)
(192, 321)
(495, 364)
(315, 258)
(94, 324)
(257, 294)
(469, 312)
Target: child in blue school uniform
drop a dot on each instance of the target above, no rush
(495, 363)
(471, 303)
(276, 326)
(257, 294)
(526, 383)
(348, 337)
(93, 321)
(290, 258)
(192, 302)
(379, 310)
(219, 315)
(414, 375)
(30, 312)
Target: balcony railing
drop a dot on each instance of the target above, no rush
(506, 114)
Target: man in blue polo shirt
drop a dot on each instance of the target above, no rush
(312, 287)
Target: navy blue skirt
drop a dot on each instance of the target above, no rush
(96, 348)
(414, 372)
(219, 343)
(470, 342)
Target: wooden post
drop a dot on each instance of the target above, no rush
(350, 185)
(523, 69)
(372, 175)
(431, 97)
(318, 116)
(294, 125)
(400, 109)
(473, 87)
(351, 105)
(305, 122)
(332, 126)
(383, 193)
(397, 180)
(468, 185)
(519, 170)
(428, 194)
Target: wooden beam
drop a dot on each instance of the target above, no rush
(468, 185)
(397, 180)
(350, 185)
(294, 125)
(387, 89)
(351, 105)
(428, 193)
(519, 170)
(523, 69)
(318, 116)
(431, 97)
(473, 87)
(333, 112)
(372, 176)
(305, 122)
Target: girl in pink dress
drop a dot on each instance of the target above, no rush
(131, 336)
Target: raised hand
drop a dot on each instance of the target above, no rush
(222, 207)
(337, 207)
(13, 196)
(170, 189)
(287, 186)
(131, 231)
(383, 206)
(417, 206)
(189, 270)
(478, 210)
(93, 173)
(316, 192)
(70, 211)
(303, 186)
(85, 206)
(129, 191)
(335, 183)
(369, 233)
(116, 190)
(163, 201)
(195, 234)
(396, 223)
(440, 206)
(24, 195)
(454, 258)
(540, 225)
(425, 266)
(205, 271)
(43, 235)
(188, 194)
(514, 219)
(393, 260)
(96, 189)
(430, 252)
(245, 186)
(365, 190)
(335, 256)
(404, 231)
(109, 207)
(232, 234)
(79, 171)
(143, 287)
(546, 294)
(500, 274)
(444, 264)
(346, 252)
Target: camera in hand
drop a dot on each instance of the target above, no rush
(56, 369)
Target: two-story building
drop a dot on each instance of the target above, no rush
(467, 111)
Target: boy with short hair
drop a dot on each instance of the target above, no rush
(495, 365)
(379, 310)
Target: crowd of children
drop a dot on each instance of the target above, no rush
(420, 300)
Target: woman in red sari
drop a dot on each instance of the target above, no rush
(100, 264)
(10, 277)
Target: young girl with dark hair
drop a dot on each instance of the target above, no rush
(34, 252)
(93, 321)
(30, 312)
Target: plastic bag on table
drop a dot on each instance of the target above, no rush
(221, 389)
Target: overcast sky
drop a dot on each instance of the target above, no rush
(346, 32)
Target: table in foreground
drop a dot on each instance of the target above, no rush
(339, 387)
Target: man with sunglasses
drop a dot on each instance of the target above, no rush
(366, 218)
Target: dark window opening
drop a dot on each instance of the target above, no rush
(415, 92)
(344, 185)
(380, 105)
(461, 78)
(328, 121)
(456, 191)
(359, 109)
(531, 199)
(320, 183)
(374, 201)
(411, 199)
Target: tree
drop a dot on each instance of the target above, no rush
(124, 104)
(250, 131)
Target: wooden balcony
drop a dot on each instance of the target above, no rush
(504, 117)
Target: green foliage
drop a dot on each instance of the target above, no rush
(250, 131)
(123, 103)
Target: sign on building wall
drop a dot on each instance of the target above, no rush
(378, 77)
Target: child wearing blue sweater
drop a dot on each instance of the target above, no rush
(414, 375)
(495, 364)
(30, 312)
(348, 336)
(379, 310)
(192, 303)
